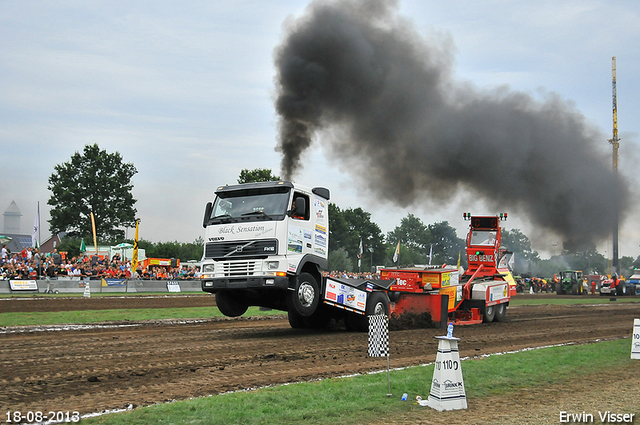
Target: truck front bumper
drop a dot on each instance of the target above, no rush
(249, 282)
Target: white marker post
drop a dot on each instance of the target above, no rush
(87, 290)
(447, 387)
(635, 341)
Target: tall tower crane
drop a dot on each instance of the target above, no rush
(615, 142)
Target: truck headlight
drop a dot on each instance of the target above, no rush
(208, 268)
(273, 265)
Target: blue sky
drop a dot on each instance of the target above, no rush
(185, 91)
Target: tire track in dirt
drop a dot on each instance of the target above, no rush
(96, 369)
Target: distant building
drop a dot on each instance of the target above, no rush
(17, 242)
(12, 219)
(11, 228)
(51, 243)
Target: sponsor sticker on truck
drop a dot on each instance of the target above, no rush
(497, 293)
(345, 295)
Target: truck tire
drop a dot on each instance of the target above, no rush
(574, 289)
(377, 303)
(621, 289)
(229, 304)
(489, 313)
(501, 312)
(296, 321)
(306, 297)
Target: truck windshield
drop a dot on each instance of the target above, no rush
(483, 237)
(247, 204)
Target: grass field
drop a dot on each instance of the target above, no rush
(352, 400)
(362, 399)
(92, 316)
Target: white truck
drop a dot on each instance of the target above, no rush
(266, 244)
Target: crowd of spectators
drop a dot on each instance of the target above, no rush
(31, 264)
(352, 275)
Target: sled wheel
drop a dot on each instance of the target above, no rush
(306, 296)
(229, 305)
(500, 312)
(489, 313)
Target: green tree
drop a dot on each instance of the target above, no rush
(183, 251)
(626, 266)
(339, 260)
(257, 175)
(347, 228)
(516, 241)
(447, 246)
(92, 181)
(415, 240)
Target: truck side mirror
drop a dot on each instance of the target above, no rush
(301, 207)
(207, 214)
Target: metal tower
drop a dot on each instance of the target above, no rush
(615, 142)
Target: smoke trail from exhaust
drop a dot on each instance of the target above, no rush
(385, 102)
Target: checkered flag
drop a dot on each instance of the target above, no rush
(378, 335)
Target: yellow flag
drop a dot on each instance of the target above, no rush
(134, 260)
(458, 260)
(93, 226)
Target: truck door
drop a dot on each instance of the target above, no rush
(300, 227)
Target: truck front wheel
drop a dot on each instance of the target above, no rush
(295, 320)
(229, 304)
(306, 296)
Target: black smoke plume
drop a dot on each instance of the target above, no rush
(385, 102)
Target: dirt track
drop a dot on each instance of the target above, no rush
(94, 369)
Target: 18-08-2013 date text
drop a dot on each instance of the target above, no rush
(16, 416)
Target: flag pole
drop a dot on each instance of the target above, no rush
(39, 239)
(388, 377)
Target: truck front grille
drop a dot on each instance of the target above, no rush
(241, 249)
(239, 268)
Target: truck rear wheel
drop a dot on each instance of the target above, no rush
(377, 304)
(489, 314)
(500, 312)
(229, 304)
(306, 296)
